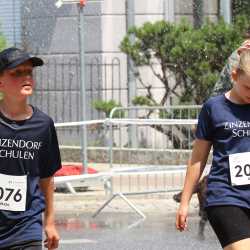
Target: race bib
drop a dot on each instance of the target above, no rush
(13, 191)
(239, 165)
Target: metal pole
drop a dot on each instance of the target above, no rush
(198, 13)
(131, 77)
(226, 10)
(168, 8)
(83, 133)
(130, 72)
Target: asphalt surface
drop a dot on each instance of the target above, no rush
(124, 231)
(118, 226)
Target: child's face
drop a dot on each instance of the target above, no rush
(18, 82)
(242, 87)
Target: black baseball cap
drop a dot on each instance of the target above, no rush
(12, 57)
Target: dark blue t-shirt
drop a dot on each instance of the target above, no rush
(27, 148)
(227, 126)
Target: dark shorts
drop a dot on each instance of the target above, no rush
(28, 245)
(230, 223)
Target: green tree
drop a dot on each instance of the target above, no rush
(240, 7)
(2, 41)
(184, 59)
(107, 106)
(193, 56)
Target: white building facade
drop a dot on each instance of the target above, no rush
(53, 34)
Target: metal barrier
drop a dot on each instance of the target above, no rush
(144, 169)
(138, 137)
(170, 170)
(151, 138)
(144, 138)
(154, 177)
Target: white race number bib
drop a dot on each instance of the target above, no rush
(239, 165)
(13, 191)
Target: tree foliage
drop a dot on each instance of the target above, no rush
(2, 41)
(107, 106)
(240, 7)
(186, 61)
(194, 57)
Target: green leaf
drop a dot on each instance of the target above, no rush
(107, 106)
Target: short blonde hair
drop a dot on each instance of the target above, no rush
(244, 62)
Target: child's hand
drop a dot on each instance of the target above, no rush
(181, 218)
(52, 237)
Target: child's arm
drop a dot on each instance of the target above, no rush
(194, 170)
(52, 236)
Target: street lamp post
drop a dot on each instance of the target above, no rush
(198, 12)
(226, 10)
(83, 130)
(130, 22)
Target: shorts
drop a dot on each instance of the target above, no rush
(28, 245)
(230, 223)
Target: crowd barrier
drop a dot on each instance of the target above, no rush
(136, 177)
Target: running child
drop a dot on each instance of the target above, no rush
(224, 124)
(29, 156)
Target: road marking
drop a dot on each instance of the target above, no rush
(77, 241)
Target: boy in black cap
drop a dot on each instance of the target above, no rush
(29, 156)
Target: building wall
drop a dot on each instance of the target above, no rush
(54, 31)
(114, 25)
(53, 34)
(10, 21)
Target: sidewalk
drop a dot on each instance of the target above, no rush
(87, 202)
(93, 199)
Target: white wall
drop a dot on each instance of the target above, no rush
(10, 21)
(114, 27)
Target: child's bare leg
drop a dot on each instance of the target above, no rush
(239, 245)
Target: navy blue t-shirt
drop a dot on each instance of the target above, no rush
(27, 148)
(227, 126)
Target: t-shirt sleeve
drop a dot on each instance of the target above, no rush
(53, 162)
(204, 128)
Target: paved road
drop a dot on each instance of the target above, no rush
(113, 231)
(118, 227)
